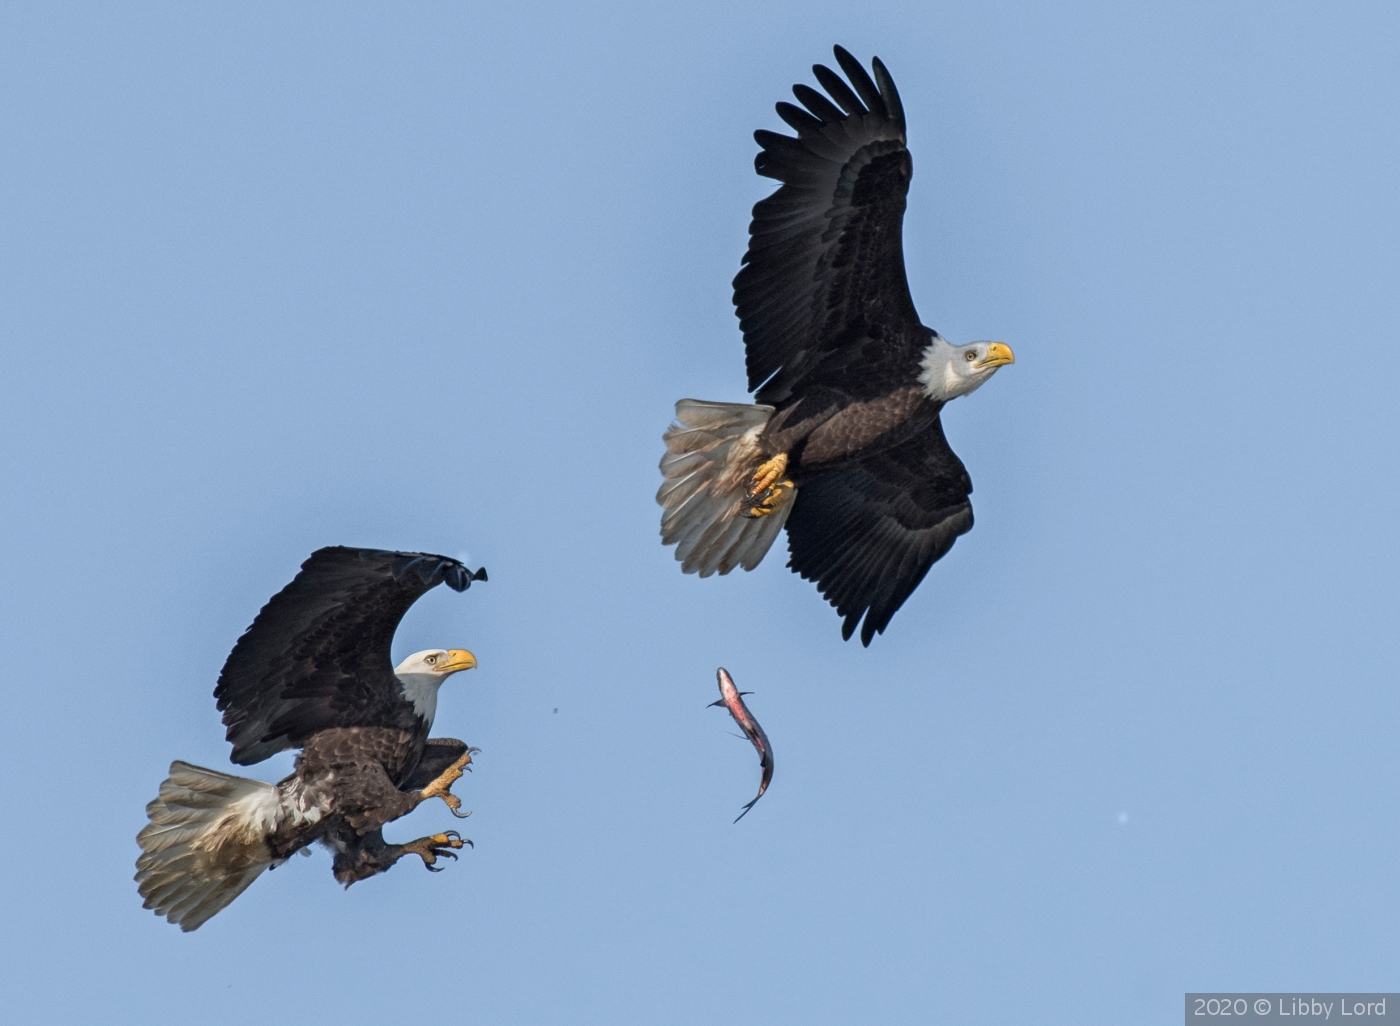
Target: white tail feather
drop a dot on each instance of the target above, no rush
(205, 842)
(711, 454)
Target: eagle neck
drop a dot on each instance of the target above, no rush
(936, 370)
(421, 689)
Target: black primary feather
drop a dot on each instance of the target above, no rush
(838, 90)
(819, 105)
(869, 95)
(798, 118)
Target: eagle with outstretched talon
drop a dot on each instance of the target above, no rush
(844, 445)
(314, 673)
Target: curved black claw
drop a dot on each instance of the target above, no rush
(429, 849)
(438, 869)
(458, 837)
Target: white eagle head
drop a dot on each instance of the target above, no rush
(421, 674)
(950, 371)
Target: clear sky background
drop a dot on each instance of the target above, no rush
(279, 276)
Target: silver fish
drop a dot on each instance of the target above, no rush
(732, 699)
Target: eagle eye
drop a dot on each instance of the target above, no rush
(432, 659)
(971, 355)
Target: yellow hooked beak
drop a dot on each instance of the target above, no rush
(998, 353)
(457, 659)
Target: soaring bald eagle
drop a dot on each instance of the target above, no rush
(313, 672)
(845, 446)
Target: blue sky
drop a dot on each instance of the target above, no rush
(273, 278)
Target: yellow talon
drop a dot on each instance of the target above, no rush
(430, 849)
(771, 501)
(767, 474)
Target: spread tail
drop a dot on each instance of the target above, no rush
(205, 843)
(711, 454)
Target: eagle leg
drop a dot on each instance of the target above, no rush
(361, 856)
(429, 849)
(441, 787)
(768, 488)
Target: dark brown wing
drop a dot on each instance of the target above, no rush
(867, 531)
(823, 292)
(317, 656)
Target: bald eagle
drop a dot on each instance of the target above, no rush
(844, 446)
(313, 672)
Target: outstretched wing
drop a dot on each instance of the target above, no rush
(823, 287)
(867, 531)
(317, 656)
